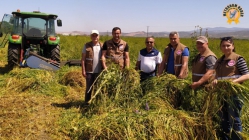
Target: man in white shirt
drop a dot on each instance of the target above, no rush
(149, 60)
(90, 62)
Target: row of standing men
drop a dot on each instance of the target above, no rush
(205, 66)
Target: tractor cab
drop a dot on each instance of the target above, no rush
(5, 28)
(30, 32)
(34, 24)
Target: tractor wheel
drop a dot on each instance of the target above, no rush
(13, 55)
(55, 53)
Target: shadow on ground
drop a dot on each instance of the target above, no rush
(74, 104)
(5, 69)
(71, 104)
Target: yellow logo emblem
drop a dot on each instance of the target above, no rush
(233, 12)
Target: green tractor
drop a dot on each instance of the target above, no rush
(31, 33)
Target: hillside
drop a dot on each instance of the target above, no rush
(217, 32)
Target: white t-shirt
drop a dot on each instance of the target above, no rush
(149, 60)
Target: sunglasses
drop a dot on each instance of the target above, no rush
(149, 42)
(226, 38)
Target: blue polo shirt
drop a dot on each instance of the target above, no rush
(170, 64)
(149, 60)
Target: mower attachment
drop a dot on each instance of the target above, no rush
(37, 63)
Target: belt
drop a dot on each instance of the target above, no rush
(178, 65)
(229, 77)
(196, 74)
(149, 72)
(118, 57)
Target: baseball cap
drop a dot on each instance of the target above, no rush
(95, 32)
(202, 39)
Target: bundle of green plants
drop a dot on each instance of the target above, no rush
(120, 109)
(177, 94)
(158, 108)
(127, 123)
(120, 87)
(228, 91)
(207, 101)
(166, 87)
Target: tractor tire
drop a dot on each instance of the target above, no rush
(13, 55)
(55, 53)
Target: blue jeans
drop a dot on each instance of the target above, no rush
(230, 119)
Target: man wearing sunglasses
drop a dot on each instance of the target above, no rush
(175, 59)
(203, 63)
(149, 60)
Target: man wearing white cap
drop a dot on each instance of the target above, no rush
(90, 62)
(203, 63)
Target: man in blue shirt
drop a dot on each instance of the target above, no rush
(149, 60)
(175, 59)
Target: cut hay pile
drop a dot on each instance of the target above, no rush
(75, 83)
(25, 100)
(121, 109)
(74, 79)
(28, 80)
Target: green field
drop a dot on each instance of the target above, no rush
(38, 104)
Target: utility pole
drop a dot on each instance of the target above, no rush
(147, 30)
(107, 35)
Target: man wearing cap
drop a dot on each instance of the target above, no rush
(115, 50)
(203, 63)
(175, 59)
(90, 62)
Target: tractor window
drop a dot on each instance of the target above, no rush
(17, 26)
(35, 27)
(6, 25)
(51, 27)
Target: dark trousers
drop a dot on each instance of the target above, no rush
(144, 76)
(90, 78)
(230, 119)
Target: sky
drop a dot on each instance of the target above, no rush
(133, 15)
